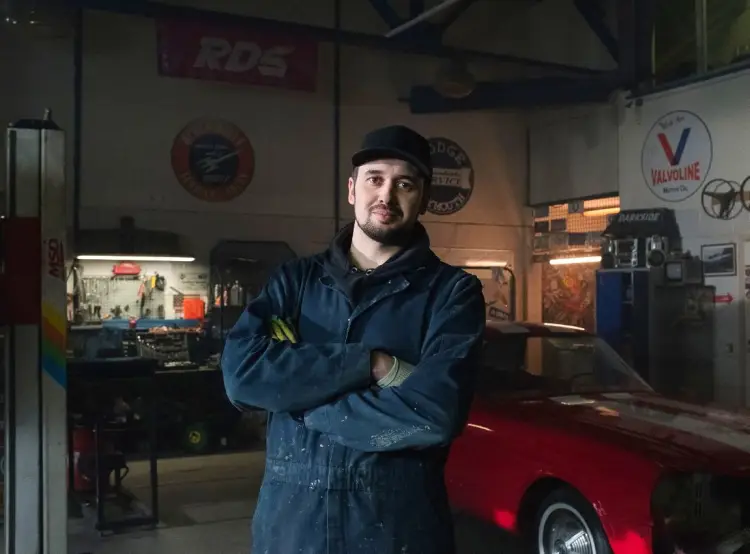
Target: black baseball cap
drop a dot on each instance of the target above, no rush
(398, 142)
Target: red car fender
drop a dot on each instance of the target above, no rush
(499, 463)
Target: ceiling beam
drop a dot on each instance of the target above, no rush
(422, 18)
(406, 45)
(386, 12)
(526, 93)
(457, 11)
(593, 13)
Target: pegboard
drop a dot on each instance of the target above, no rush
(119, 297)
(575, 226)
(181, 281)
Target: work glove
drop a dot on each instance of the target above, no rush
(282, 330)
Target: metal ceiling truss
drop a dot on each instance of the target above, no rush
(525, 93)
(631, 50)
(419, 17)
(593, 13)
(419, 35)
(404, 44)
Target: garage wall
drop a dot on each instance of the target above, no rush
(131, 117)
(573, 153)
(712, 161)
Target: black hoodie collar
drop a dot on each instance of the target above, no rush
(414, 256)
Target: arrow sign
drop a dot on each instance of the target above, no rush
(723, 298)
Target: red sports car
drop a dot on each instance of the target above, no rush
(569, 448)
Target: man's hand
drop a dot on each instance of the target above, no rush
(281, 330)
(380, 364)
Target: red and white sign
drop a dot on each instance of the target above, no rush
(213, 52)
(723, 298)
(676, 156)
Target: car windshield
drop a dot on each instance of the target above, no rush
(519, 364)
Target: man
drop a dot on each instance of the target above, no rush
(365, 357)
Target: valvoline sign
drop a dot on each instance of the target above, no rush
(676, 156)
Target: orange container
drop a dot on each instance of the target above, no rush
(193, 308)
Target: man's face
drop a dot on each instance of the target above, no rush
(387, 196)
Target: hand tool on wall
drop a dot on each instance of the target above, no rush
(160, 282)
(142, 298)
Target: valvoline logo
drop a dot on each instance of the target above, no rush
(676, 156)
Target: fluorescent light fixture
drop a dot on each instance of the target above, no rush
(482, 264)
(133, 258)
(581, 260)
(564, 326)
(601, 211)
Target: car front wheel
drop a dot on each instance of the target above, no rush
(567, 524)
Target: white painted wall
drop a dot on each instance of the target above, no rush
(574, 153)
(723, 105)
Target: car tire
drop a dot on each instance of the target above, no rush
(566, 516)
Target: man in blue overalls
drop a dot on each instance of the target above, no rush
(365, 357)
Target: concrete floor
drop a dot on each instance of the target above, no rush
(205, 507)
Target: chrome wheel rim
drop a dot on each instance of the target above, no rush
(563, 530)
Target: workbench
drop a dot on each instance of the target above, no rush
(193, 400)
(92, 386)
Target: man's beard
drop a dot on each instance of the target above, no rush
(387, 236)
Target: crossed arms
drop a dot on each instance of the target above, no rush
(330, 383)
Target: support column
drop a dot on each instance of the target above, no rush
(34, 296)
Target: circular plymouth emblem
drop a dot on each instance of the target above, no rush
(213, 159)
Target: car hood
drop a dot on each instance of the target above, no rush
(675, 434)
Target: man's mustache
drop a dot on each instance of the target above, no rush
(392, 210)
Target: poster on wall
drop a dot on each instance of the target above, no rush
(494, 269)
(236, 54)
(676, 156)
(719, 260)
(452, 178)
(213, 159)
(569, 294)
(497, 290)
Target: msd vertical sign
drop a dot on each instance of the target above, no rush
(676, 156)
(212, 52)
